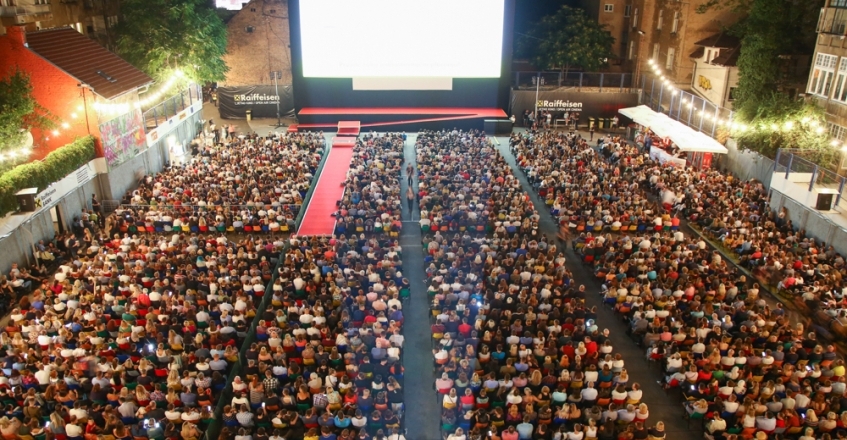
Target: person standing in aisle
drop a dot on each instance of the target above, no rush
(410, 171)
(410, 199)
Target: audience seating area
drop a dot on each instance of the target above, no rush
(517, 353)
(744, 369)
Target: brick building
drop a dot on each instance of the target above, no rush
(258, 42)
(666, 31)
(615, 16)
(827, 85)
(94, 18)
(72, 77)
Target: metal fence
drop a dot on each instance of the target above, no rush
(686, 107)
(791, 161)
(580, 81)
(161, 112)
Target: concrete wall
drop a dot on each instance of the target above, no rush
(17, 247)
(746, 165)
(127, 175)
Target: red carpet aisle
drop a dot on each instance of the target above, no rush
(318, 219)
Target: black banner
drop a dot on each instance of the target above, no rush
(261, 100)
(588, 104)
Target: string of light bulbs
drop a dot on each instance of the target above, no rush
(149, 98)
(805, 123)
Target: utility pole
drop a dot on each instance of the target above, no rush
(277, 75)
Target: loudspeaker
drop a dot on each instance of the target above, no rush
(26, 199)
(824, 202)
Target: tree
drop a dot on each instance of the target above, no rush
(161, 36)
(783, 122)
(19, 112)
(568, 38)
(773, 31)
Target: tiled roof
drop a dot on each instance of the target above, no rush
(84, 59)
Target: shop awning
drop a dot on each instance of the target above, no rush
(685, 137)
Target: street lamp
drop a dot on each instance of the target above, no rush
(277, 75)
(537, 85)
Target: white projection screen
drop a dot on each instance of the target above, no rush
(401, 38)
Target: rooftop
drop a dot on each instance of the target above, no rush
(84, 59)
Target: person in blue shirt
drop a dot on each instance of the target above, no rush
(525, 429)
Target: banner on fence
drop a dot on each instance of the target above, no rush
(261, 100)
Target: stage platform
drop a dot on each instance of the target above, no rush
(397, 118)
(318, 219)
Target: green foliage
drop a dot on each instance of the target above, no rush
(568, 38)
(772, 30)
(19, 112)
(782, 122)
(161, 36)
(41, 174)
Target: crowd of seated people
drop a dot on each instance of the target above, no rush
(743, 366)
(243, 184)
(114, 334)
(371, 201)
(131, 338)
(327, 364)
(518, 354)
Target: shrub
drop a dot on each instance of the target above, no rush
(41, 174)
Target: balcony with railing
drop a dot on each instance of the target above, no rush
(159, 113)
(832, 21)
(24, 14)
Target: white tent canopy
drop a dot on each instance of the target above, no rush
(686, 138)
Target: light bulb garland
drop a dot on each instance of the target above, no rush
(149, 98)
(804, 124)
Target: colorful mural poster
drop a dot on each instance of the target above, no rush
(123, 138)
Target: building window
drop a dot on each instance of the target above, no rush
(671, 54)
(824, 70)
(838, 4)
(837, 131)
(659, 21)
(249, 29)
(675, 25)
(840, 93)
(732, 93)
(627, 10)
(708, 55)
(609, 7)
(635, 18)
(656, 52)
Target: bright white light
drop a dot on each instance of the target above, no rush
(789, 125)
(73, 115)
(774, 127)
(444, 38)
(79, 108)
(689, 105)
(65, 125)
(834, 142)
(819, 130)
(55, 132)
(673, 93)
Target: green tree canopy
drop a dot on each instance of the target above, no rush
(773, 31)
(161, 36)
(19, 112)
(568, 38)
